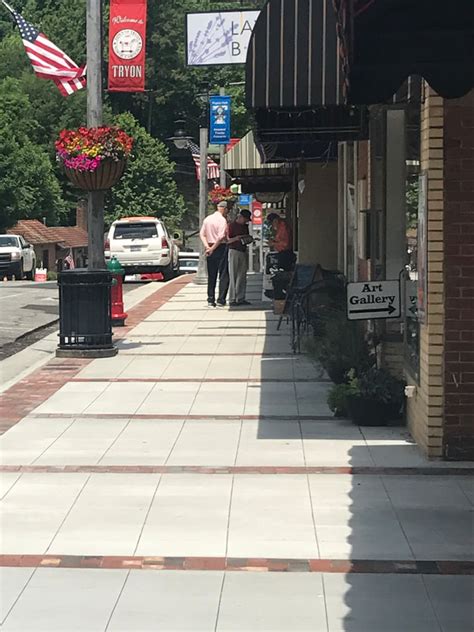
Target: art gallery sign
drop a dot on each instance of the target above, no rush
(218, 37)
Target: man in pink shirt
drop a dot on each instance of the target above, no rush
(214, 237)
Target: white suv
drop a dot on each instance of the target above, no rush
(142, 245)
(17, 258)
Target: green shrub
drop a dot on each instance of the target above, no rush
(377, 385)
(341, 347)
(52, 276)
(338, 399)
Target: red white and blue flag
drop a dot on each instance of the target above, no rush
(213, 170)
(49, 61)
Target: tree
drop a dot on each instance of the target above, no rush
(148, 187)
(28, 186)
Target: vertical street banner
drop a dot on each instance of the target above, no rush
(219, 111)
(127, 44)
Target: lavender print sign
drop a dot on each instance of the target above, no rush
(220, 37)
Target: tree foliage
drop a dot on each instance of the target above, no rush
(28, 186)
(40, 112)
(147, 188)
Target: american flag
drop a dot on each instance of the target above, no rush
(70, 260)
(49, 61)
(213, 170)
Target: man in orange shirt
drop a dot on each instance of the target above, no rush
(282, 241)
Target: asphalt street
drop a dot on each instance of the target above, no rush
(26, 307)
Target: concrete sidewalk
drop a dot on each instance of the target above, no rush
(150, 491)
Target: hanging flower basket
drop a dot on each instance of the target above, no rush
(104, 177)
(94, 158)
(221, 194)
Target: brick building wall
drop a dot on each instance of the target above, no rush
(459, 278)
(425, 411)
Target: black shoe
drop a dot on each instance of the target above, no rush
(244, 303)
(221, 303)
(211, 303)
(233, 303)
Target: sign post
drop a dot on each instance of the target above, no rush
(373, 300)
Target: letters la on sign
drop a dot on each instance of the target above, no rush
(219, 37)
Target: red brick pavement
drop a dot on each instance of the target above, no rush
(272, 565)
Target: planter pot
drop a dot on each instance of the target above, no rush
(367, 412)
(104, 177)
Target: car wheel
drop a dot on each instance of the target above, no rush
(168, 272)
(31, 274)
(19, 274)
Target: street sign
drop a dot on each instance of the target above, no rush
(219, 112)
(257, 214)
(245, 200)
(374, 299)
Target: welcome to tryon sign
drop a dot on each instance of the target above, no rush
(379, 299)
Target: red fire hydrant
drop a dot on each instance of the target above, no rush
(116, 292)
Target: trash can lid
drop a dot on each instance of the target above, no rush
(115, 266)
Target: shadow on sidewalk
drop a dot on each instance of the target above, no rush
(389, 522)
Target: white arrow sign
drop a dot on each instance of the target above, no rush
(374, 299)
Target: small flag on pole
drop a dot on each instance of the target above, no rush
(49, 61)
(70, 260)
(213, 171)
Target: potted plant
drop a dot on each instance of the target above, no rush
(341, 346)
(338, 399)
(375, 397)
(94, 158)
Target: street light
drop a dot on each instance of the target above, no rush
(182, 141)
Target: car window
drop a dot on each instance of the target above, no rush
(139, 230)
(188, 263)
(7, 240)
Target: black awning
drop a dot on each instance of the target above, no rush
(385, 41)
(293, 59)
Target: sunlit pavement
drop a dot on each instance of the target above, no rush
(198, 482)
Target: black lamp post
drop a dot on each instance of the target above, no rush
(181, 141)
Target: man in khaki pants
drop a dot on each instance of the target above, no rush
(238, 238)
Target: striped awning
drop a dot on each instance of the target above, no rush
(244, 163)
(244, 157)
(294, 59)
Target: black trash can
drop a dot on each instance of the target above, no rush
(85, 324)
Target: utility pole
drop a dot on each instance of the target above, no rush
(201, 276)
(95, 206)
(222, 175)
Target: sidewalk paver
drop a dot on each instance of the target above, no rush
(163, 485)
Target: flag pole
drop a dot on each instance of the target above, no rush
(8, 6)
(95, 215)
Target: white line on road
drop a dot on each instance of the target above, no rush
(9, 296)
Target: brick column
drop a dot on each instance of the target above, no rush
(458, 440)
(426, 409)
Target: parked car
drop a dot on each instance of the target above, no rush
(17, 258)
(143, 246)
(188, 262)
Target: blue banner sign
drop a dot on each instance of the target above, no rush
(220, 120)
(245, 200)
